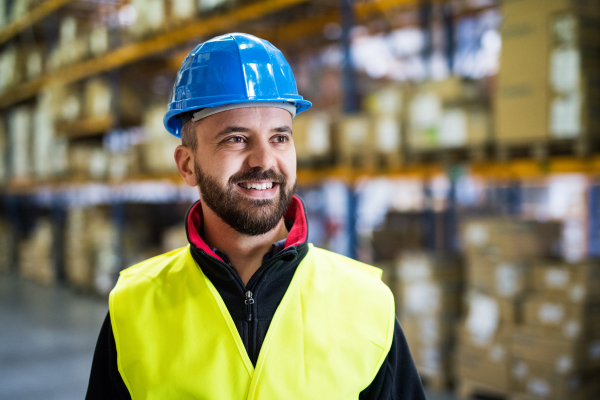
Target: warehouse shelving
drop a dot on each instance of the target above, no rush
(38, 13)
(512, 170)
(203, 27)
(85, 127)
(133, 52)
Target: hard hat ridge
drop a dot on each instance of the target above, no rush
(235, 68)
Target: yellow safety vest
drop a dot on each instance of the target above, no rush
(176, 340)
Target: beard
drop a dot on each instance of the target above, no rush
(247, 216)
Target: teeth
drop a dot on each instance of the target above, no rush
(257, 186)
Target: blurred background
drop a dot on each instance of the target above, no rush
(454, 144)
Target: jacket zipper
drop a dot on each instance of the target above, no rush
(249, 301)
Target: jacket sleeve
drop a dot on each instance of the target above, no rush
(105, 379)
(397, 378)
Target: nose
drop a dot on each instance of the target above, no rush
(261, 155)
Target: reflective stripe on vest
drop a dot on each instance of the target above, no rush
(176, 340)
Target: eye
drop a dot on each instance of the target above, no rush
(281, 139)
(235, 139)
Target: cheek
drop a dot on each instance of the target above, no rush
(288, 163)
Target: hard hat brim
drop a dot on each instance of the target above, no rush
(172, 122)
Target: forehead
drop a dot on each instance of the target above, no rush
(253, 118)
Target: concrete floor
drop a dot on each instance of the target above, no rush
(47, 341)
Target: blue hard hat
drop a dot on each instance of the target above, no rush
(228, 69)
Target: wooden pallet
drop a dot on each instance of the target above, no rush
(467, 390)
(542, 149)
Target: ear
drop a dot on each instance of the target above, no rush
(184, 158)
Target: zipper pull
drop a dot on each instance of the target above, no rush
(249, 301)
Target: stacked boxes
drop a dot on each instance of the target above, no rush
(10, 74)
(499, 253)
(73, 43)
(5, 246)
(19, 137)
(372, 138)
(429, 297)
(446, 114)
(35, 254)
(386, 108)
(97, 98)
(91, 250)
(556, 351)
(312, 137)
(3, 151)
(158, 150)
(356, 140)
(549, 69)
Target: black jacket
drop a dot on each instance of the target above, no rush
(396, 379)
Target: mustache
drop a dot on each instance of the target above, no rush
(257, 174)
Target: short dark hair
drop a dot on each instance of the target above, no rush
(188, 133)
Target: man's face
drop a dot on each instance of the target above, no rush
(245, 166)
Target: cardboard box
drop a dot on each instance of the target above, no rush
(533, 63)
(574, 282)
(414, 266)
(508, 278)
(35, 254)
(97, 98)
(510, 238)
(431, 298)
(356, 144)
(490, 366)
(566, 355)
(99, 40)
(157, 152)
(3, 148)
(10, 73)
(547, 310)
(313, 136)
(448, 113)
(388, 100)
(6, 244)
(432, 361)
(544, 381)
(19, 132)
(431, 330)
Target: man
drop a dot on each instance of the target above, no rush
(249, 309)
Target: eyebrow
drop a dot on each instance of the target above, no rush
(283, 129)
(230, 129)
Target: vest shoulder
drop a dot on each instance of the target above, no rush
(156, 266)
(350, 270)
(347, 264)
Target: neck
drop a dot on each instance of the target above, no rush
(245, 252)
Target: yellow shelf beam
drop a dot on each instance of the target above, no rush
(137, 51)
(510, 170)
(528, 168)
(85, 127)
(28, 19)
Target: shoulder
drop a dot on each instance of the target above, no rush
(346, 268)
(344, 276)
(154, 269)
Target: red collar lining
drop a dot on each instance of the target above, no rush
(296, 236)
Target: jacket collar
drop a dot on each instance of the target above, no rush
(297, 235)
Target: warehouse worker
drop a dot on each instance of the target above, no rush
(249, 309)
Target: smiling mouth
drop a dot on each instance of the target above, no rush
(257, 185)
